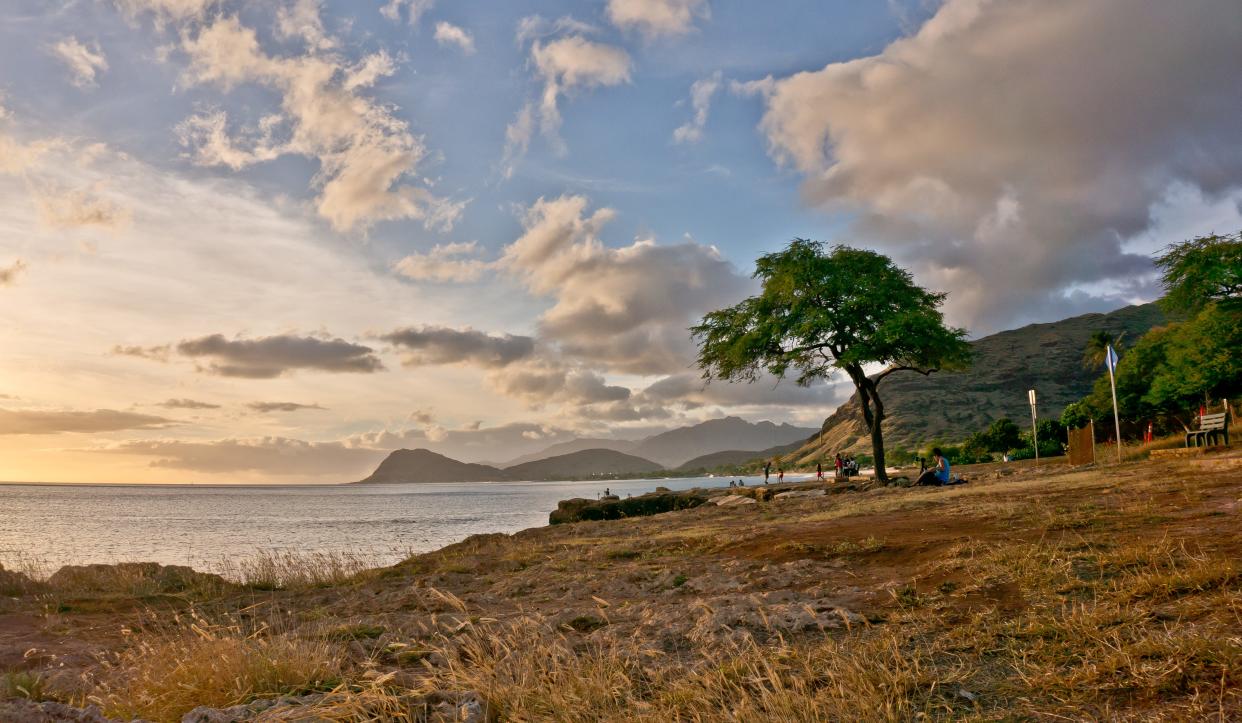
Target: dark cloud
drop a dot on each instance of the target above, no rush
(187, 404)
(273, 356)
(9, 274)
(1006, 151)
(267, 407)
(442, 345)
(268, 455)
(29, 421)
(154, 353)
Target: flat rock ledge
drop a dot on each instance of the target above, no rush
(21, 710)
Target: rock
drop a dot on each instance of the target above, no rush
(288, 707)
(728, 500)
(21, 710)
(577, 510)
(16, 584)
(795, 494)
(133, 577)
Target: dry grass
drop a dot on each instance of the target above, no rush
(167, 672)
(286, 569)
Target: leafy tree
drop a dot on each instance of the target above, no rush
(820, 311)
(1097, 348)
(1077, 415)
(1201, 271)
(1003, 435)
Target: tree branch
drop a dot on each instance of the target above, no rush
(925, 372)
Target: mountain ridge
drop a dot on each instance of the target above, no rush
(949, 406)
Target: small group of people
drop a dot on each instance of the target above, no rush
(846, 466)
(767, 472)
(739, 483)
(938, 474)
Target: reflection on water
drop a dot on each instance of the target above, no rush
(200, 526)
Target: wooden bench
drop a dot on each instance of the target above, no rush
(1212, 427)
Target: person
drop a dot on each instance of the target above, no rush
(767, 470)
(819, 471)
(939, 473)
(780, 475)
(840, 464)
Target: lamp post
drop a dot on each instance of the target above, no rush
(1034, 428)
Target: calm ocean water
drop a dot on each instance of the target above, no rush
(201, 525)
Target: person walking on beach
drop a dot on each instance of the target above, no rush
(780, 475)
(840, 465)
(819, 471)
(767, 470)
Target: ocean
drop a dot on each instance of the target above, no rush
(203, 526)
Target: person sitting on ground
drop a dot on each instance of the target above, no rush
(939, 472)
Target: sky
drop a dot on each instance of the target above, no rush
(248, 241)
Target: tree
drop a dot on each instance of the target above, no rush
(1003, 435)
(1097, 347)
(822, 311)
(1204, 270)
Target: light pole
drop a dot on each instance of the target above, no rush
(1034, 428)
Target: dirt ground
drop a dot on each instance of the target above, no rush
(807, 568)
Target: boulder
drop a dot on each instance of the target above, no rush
(22, 710)
(730, 500)
(576, 510)
(133, 578)
(16, 584)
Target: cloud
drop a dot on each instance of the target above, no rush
(84, 62)
(472, 442)
(414, 9)
(268, 407)
(701, 93)
(624, 309)
(154, 353)
(301, 20)
(30, 421)
(273, 356)
(441, 345)
(268, 455)
(9, 274)
(178, 10)
(62, 209)
(444, 263)
(565, 65)
(657, 17)
(187, 404)
(1002, 154)
(450, 34)
(365, 151)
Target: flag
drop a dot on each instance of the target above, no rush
(1110, 358)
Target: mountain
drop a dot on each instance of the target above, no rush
(573, 445)
(423, 465)
(734, 458)
(950, 406)
(717, 435)
(584, 463)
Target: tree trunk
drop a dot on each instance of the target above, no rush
(873, 417)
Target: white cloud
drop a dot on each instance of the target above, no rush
(414, 9)
(268, 455)
(84, 62)
(1008, 149)
(301, 20)
(450, 34)
(657, 17)
(35, 421)
(177, 10)
(365, 152)
(565, 65)
(624, 309)
(62, 209)
(444, 263)
(701, 93)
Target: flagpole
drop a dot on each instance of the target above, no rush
(1112, 383)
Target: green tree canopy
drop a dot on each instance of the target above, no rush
(1097, 347)
(820, 311)
(1204, 270)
